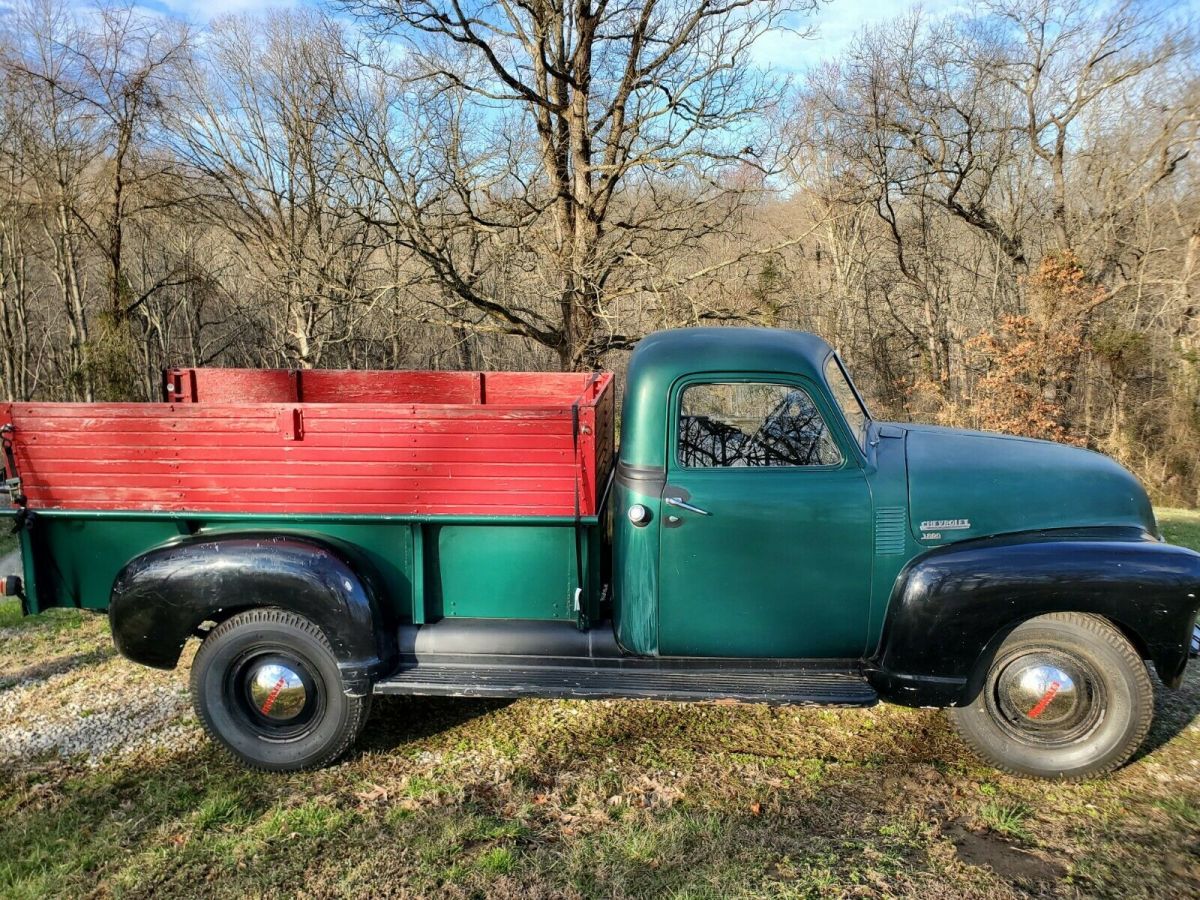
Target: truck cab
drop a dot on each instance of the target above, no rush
(757, 537)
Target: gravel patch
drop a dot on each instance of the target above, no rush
(90, 707)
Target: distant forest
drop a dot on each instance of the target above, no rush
(995, 218)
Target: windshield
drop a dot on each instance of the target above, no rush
(847, 399)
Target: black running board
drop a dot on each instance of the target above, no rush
(776, 686)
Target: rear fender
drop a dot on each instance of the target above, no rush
(162, 597)
(952, 608)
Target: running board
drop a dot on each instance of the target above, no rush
(774, 686)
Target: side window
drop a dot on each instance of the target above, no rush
(741, 424)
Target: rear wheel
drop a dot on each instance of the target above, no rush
(266, 685)
(1066, 697)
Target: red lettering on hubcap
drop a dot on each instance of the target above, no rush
(1041, 705)
(273, 696)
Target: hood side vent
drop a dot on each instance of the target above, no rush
(891, 522)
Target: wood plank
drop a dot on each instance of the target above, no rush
(513, 443)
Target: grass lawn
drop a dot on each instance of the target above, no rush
(1180, 526)
(538, 798)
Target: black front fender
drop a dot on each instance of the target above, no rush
(951, 608)
(161, 598)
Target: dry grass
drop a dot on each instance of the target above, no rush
(605, 799)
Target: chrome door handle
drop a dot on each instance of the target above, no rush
(675, 501)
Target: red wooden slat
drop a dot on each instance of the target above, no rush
(325, 386)
(510, 443)
(240, 385)
(118, 412)
(303, 468)
(349, 500)
(527, 389)
(289, 507)
(219, 480)
(474, 457)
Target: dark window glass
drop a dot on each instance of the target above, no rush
(747, 424)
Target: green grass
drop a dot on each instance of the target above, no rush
(469, 798)
(1006, 818)
(1180, 526)
(57, 619)
(1186, 810)
(8, 540)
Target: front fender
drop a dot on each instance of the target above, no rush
(951, 608)
(160, 598)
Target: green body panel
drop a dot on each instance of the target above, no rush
(796, 563)
(499, 571)
(425, 567)
(635, 568)
(892, 540)
(980, 484)
(780, 566)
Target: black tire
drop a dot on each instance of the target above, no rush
(305, 721)
(1028, 721)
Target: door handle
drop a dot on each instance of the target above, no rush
(680, 504)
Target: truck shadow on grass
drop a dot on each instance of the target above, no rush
(1174, 712)
(396, 721)
(40, 671)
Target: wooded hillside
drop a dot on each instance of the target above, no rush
(995, 218)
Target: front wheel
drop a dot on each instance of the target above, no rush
(1066, 697)
(266, 685)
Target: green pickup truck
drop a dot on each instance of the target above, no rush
(758, 537)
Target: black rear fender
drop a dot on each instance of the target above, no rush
(952, 608)
(163, 596)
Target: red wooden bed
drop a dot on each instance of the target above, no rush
(313, 441)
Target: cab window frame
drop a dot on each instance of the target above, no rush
(832, 419)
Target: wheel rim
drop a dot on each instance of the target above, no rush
(1046, 697)
(275, 693)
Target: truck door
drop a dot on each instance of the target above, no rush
(765, 540)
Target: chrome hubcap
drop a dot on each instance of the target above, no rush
(1040, 691)
(277, 691)
(1047, 697)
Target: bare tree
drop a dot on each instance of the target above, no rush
(600, 139)
(259, 135)
(102, 80)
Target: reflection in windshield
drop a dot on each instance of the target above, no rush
(847, 400)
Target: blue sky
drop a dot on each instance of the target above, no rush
(836, 22)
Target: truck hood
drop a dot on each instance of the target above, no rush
(969, 484)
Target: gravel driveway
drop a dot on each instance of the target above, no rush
(65, 692)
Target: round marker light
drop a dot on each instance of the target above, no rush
(638, 514)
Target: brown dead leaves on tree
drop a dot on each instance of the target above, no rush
(1028, 362)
